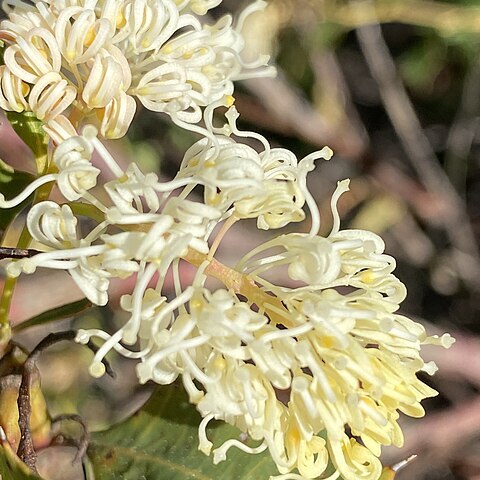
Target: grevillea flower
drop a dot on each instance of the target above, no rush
(345, 361)
(89, 60)
(315, 368)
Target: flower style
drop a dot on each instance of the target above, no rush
(315, 368)
(269, 186)
(55, 227)
(199, 7)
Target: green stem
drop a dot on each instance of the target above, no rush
(87, 210)
(240, 283)
(5, 328)
(9, 286)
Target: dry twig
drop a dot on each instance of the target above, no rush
(279, 97)
(26, 450)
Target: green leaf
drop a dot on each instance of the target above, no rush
(11, 468)
(87, 210)
(57, 313)
(2, 51)
(11, 184)
(29, 129)
(160, 442)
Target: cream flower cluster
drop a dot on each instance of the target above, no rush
(73, 62)
(316, 369)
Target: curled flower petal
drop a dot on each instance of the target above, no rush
(33, 56)
(117, 116)
(52, 225)
(59, 129)
(13, 91)
(51, 96)
(199, 7)
(103, 82)
(76, 173)
(79, 34)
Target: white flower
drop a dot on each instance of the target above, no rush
(50, 96)
(118, 115)
(315, 261)
(104, 81)
(128, 191)
(55, 227)
(90, 277)
(283, 200)
(241, 396)
(59, 129)
(33, 55)
(199, 7)
(274, 356)
(21, 19)
(194, 219)
(204, 64)
(145, 247)
(80, 35)
(150, 23)
(173, 346)
(317, 371)
(228, 322)
(52, 225)
(104, 53)
(13, 91)
(230, 171)
(269, 186)
(148, 254)
(91, 266)
(164, 89)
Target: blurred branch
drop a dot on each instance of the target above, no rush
(405, 121)
(441, 16)
(334, 99)
(426, 205)
(279, 98)
(419, 250)
(462, 132)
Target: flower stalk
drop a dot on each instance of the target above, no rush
(236, 282)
